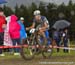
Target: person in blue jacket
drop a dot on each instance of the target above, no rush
(23, 34)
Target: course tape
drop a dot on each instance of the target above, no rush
(64, 48)
(19, 46)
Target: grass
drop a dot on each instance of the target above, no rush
(61, 53)
(56, 57)
(9, 59)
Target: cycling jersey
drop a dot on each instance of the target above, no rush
(41, 22)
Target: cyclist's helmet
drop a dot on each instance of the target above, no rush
(37, 12)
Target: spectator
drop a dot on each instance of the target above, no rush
(7, 39)
(60, 35)
(23, 34)
(56, 38)
(2, 26)
(14, 30)
(65, 39)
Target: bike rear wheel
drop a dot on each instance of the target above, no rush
(44, 47)
(48, 50)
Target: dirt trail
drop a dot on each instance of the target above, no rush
(39, 61)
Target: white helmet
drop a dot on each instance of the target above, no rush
(21, 18)
(37, 12)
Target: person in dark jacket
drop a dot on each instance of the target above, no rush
(56, 38)
(65, 39)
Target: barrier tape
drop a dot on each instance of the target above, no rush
(19, 46)
(64, 48)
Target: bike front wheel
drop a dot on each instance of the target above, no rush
(27, 49)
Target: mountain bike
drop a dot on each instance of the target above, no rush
(35, 44)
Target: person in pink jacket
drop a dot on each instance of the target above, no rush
(14, 31)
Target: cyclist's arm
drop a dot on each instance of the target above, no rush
(32, 26)
(45, 26)
(46, 23)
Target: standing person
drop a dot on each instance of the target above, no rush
(14, 30)
(60, 35)
(23, 34)
(56, 38)
(7, 39)
(65, 39)
(2, 26)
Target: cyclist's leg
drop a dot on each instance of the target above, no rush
(47, 36)
(42, 33)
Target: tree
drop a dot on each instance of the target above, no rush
(42, 8)
(52, 13)
(17, 11)
(31, 9)
(7, 10)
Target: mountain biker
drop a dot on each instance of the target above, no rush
(40, 23)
